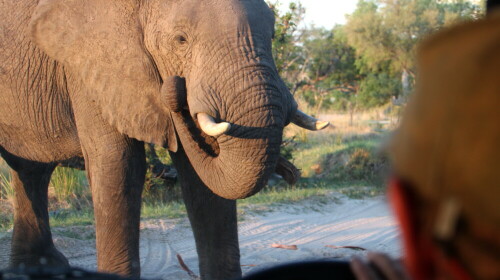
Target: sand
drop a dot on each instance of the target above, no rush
(309, 225)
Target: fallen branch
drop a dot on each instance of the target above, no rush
(286, 247)
(186, 268)
(250, 265)
(346, 247)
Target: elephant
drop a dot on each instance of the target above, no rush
(98, 79)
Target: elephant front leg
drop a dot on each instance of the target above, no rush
(116, 172)
(214, 224)
(116, 168)
(31, 239)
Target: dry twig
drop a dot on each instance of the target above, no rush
(346, 247)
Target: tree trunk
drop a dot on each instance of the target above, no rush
(405, 82)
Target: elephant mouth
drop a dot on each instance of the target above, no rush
(206, 143)
(210, 146)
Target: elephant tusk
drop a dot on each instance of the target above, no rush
(305, 121)
(210, 127)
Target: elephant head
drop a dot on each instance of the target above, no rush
(200, 71)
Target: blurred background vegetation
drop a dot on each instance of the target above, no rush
(358, 76)
(366, 62)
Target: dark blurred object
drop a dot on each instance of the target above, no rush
(314, 270)
(164, 172)
(490, 4)
(378, 266)
(158, 169)
(47, 272)
(288, 171)
(74, 162)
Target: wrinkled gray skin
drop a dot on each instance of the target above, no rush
(86, 78)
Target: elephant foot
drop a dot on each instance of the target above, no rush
(44, 257)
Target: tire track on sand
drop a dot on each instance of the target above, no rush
(366, 223)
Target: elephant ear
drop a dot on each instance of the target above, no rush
(101, 44)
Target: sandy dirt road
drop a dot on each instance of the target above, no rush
(309, 225)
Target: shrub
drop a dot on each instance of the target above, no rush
(355, 164)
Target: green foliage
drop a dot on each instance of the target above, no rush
(333, 78)
(376, 89)
(6, 195)
(285, 50)
(355, 164)
(363, 164)
(157, 189)
(6, 221)
(160, 190)
(287, 147)
(369, 60)
(339, 160)
(69, 184)
(387, 32)
(6, 189)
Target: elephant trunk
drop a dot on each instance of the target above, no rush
(239, 162)
(241, 166)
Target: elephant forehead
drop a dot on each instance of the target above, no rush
(214, 14)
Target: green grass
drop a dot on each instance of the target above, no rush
(69, 183)
(76, 232)
(71, 217)
(4, 168)
(282, 196)
(6, 189)
(171, 210)
(6, 221)
(6, 194)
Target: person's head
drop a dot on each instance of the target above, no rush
(446, 156)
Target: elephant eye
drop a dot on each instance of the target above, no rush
(181, 39)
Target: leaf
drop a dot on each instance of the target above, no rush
(286, 247)
(186, 268)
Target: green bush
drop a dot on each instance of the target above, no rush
(355, 164)
(156, 189)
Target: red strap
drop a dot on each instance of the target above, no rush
(423, 259)
(402, 204)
